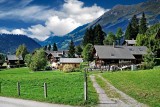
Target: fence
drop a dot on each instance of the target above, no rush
(20, 88)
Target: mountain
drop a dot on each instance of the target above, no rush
(118, 16)
(63, 41)
(9, 43)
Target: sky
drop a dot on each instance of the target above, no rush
(43, 18)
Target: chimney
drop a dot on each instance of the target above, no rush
(113, 45)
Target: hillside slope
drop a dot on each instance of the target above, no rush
(9, 43)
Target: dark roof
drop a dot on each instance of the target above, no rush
(137, 50)
(111, 52)
(14, 57)
(71, 60)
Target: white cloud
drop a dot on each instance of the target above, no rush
(19, 31)
(39, 31)
(61, 26)
(14, 31)
(72, 14)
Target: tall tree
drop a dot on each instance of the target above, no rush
(88, 52)
(128, 33)
(143, 24)
(55, 47)
(45, 47)
(88, 37)
(119, 34)
(21, 51)
(49, 47)
(110, 39)
(99, 35)
(79, 50)
(135, 26)
(71, 53)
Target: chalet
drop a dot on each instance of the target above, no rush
(54, 56)
(13, 60)
(118, 55)
(71, 61)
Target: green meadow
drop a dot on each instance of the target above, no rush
(143, 85)
(63, 88)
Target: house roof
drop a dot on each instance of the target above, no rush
(137, 50)
(111, 52)
(14, 57)
(71, 60)
(131, 42)
(55, 53)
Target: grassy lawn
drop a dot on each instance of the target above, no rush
(142, 85)
(63, 88)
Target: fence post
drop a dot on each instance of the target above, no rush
(18, 88)
(85, 87)
(0, 87)
(45, 90)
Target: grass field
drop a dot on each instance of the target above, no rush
(142, 85)
(63, 88)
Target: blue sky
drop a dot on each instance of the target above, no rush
(43, 18)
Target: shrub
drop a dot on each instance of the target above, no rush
(38, 60)
(149, 60)
(68, 68)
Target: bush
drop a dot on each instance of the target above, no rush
(157, 61)
(68, 68)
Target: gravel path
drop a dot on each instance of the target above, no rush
(105, 101)
(13, 102)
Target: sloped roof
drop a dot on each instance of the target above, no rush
(55, 53)
(131, 42)
(137, 50)
(111, 52)
(119, 52)
(71, 60)
(14, 57)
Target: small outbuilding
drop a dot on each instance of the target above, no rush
(71, 61)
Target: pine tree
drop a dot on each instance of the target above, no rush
(143, 25)
(71, 53)
(99, 35)
(128, 33)
(119, 34)
(135, 27)
(49, 47)
(55, 47)
(88, 37)
(45, 47)
(79, 50)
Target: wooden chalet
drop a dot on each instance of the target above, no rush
(13, 60)
(118, 55)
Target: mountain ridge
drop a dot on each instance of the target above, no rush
(10, 42)
(118, 16)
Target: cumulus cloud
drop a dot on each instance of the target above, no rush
(72, 14)
(61, 26)
(39, 31)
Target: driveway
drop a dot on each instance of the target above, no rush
(14, 102)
